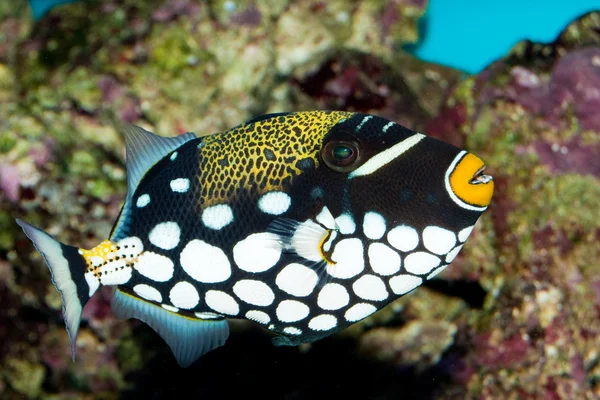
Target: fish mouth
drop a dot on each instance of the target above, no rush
(480, 178)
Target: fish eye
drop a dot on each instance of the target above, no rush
(341, 155)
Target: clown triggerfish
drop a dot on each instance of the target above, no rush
(304, 223)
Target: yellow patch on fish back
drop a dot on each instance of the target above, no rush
(262, 156)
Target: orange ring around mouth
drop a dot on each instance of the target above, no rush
(476, 193)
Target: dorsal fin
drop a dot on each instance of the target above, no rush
(143, 150)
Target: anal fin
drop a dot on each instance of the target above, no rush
(188, 338)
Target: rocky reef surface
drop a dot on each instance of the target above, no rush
(517, 315)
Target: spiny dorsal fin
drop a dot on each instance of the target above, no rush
(188, 338)
(143, 150)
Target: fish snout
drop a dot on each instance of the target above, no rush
(468, 182)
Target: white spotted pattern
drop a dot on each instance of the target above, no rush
(148, 292)
(184, 295)
(180, 185)
(258, 252)
(438, 240)
(333, 296)
(403, 284)
(292, 330)
(154, 266)
(217, 217)
(348, 258)
(205, 263)
(274, 203)
(383, 260)
(254, 292)
(323, 322)
(346, 224)
(173, 156)
(170, 308)
(297, 280)
(463, 235)
(258, 316)
(207, 315)
(374, 225)
(359, 311)
(326, 219)
(370, 287)
(221, 302)
(453, 253)
(165, 235)
(92, 281)
(420, 262)
(143, 200)
(115, 273)
(437, 271)
(291, 311)
(403, 238)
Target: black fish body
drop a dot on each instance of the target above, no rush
(304, 223)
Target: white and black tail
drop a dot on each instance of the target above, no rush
(68, 268)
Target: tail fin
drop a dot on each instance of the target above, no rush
(68, 268)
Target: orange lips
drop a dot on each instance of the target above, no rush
(469, 183)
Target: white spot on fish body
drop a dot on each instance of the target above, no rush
(217, 217)
(370, 287)
(403, 284)
(323, 322)
(388, 126)
(154, 266)
(383, 260)
(348, 258)
(221, 302)
(403, 238)
(453, 253)
(205, 263)
(147, 292)
(359, 311)
(254, 292)
(143, 201)
(165, 235)
(329, 242)
(333, 296)
(258, 252)
(92, 281)
(463, 235)
(292, 330)
(207, 315)
(374, 225)
(364, 121)
(184, 295)
(437, 271)
(258, 316)
(291, 311)
(115, 273)
(274, 203)
(180, 185)
(297, 280)
(346, 224)
(173, 156)
(170, 308)
(438, 240)
(326, 219)
(420, 262)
